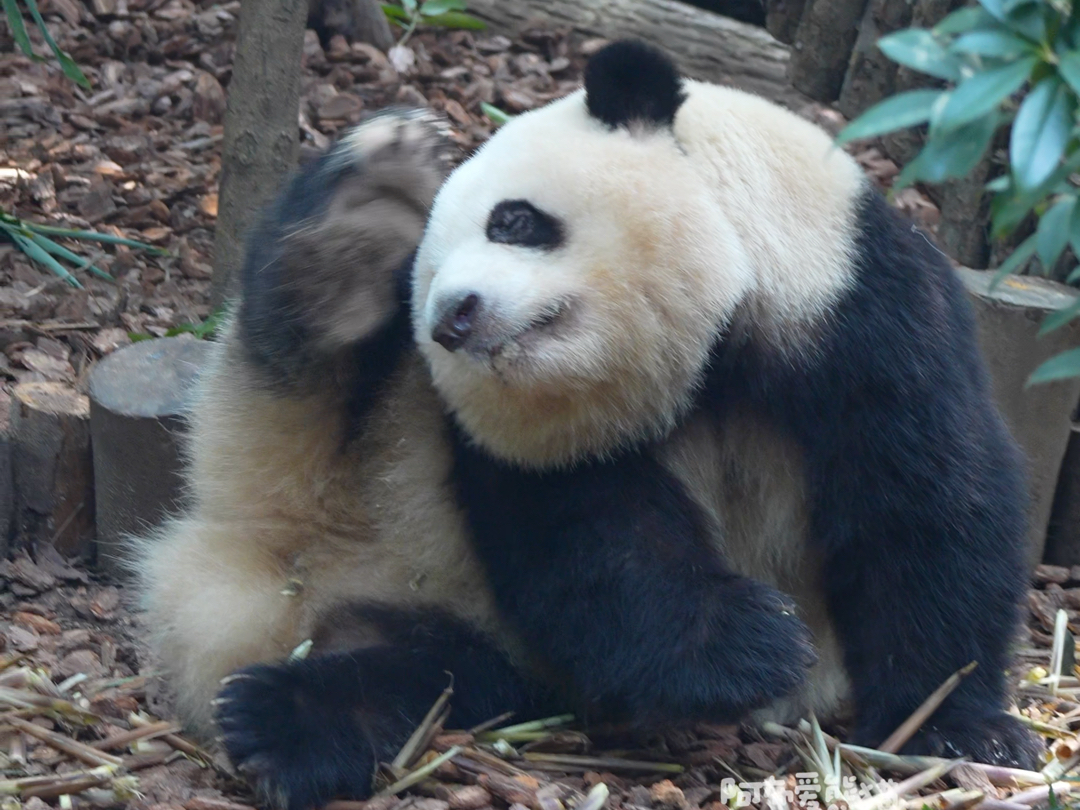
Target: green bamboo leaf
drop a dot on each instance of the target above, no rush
(975, 97)
(18, 28)
(1060, 367)
(1024, 251)
(1074, 233)
(951, 154)
(38, 254)
(93, 236)
(497, 116)
(898, 112)
(1041, 131)
(1029, 21)
(455, 19)
(1069, 68)
(996, 8)
(70, 69)
(432, 8)
(1056, 320)
(395, 13)
(963, 19)
(1009, 210)
(917, 49)
(1053, 232)
(992, 43)
(61, 251)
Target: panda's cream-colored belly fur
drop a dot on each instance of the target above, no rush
(286, 524)
(751, 484)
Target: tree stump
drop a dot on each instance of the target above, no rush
(52, 468)
(1063, 533)
(138, 397)
(1040, 417)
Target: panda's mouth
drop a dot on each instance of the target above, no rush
(518, 340)
(548, 318)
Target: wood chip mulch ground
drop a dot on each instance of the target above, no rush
(84, 722)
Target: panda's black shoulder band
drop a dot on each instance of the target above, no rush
(629, 81)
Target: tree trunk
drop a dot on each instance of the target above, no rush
(782, 18)
(823, 46)
(705, 46)
(261, 125)
(871, 75)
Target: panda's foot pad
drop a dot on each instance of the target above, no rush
(418, 137)
(992, 739)
(296, 751)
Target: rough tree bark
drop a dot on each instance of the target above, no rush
(871, 75)
(1040, 417)
(823, 46)
(782, 18)
(706, 46)
(261, 129)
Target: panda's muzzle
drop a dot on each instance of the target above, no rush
(467, 322)
(456, 323)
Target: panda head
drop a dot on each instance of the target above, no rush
(576, 271)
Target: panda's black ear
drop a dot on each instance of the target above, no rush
(629, 81)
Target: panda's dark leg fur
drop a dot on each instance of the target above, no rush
(918, 504)
(308, 731)
(326, 276)
(607, 573)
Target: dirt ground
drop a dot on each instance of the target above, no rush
(138, 156)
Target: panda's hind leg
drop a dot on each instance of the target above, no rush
(311, 730)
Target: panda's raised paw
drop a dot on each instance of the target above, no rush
(329, 269)
(993, 739)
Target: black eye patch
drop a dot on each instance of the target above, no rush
(519, 222)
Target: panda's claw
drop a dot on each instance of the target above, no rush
(294, 751)
(996, 738)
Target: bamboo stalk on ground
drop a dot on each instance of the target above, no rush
(909, 727)
(73, 748)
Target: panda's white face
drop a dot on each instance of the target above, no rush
(570, 285)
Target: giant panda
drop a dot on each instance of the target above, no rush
(668, 416)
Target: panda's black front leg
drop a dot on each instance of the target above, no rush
(608, 574)
(308, 731)
(916, 492)
(923, 575)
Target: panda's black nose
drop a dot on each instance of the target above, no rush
(456, 323)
